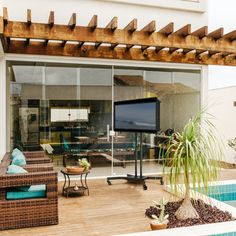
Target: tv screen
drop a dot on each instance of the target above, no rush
(141, 115)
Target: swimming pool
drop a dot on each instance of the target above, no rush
(225, 193)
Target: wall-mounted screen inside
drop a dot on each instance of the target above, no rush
(141, 115)
(69, 115)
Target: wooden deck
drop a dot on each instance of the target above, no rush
(109, 210)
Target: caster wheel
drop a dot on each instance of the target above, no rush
(109, 182)
(144, 187)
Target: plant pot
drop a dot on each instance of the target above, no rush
(75, 169)
(158, 226)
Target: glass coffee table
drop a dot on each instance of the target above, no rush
(75, 190)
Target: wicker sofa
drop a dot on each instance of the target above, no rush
(19, 213)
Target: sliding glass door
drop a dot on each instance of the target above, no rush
(67, 111)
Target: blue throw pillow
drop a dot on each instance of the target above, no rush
(18, 158)
(14, 169)
(15, 152)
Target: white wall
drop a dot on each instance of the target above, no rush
(222, 79)
(2, 106)
(105, 11)
(221, 106)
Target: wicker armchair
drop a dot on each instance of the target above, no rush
(28, 212)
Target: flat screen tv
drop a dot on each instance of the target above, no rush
(140, 115)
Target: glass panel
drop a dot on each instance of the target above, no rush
(128, 84)
(179, 94)
(63, 109)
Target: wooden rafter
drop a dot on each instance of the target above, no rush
(168, 29)
(216, 34)
(72, 21)
(132, 26)
(184, 31)
(5, 16)
(230, 36)
(29, 20)
(93, 23)
(198, 47)
(113, 24)
(150, 28)
(51, 19)
(201, 33)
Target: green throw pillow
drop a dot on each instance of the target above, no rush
(18, 158)
(14, 169)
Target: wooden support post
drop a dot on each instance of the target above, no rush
(168, 29)
(93, 23)
(5, 16)
(29, 19)
(201, 33)
(132, 26)
(216, 34)
(113, 24)
(51, 19)
(184, 31)
(72, 21)
(150, 28)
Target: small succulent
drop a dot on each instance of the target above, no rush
(162, 219)
(84, 163)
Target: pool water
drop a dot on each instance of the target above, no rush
(225, 193)
(225, 234)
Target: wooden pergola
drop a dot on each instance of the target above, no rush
(129, 43)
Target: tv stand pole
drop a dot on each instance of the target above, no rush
(139, 179)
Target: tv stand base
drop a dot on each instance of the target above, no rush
(136, 179)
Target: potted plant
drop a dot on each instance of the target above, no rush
(194, 155)
(161, 221)
(84, 164)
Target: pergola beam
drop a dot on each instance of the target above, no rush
(198, 47)
(120, 53)
(83, 34)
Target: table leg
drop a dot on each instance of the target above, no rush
(85, 180)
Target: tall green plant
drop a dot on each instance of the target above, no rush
(193, 156)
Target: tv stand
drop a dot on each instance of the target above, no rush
(137, 179)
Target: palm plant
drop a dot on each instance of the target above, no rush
(194, 156)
